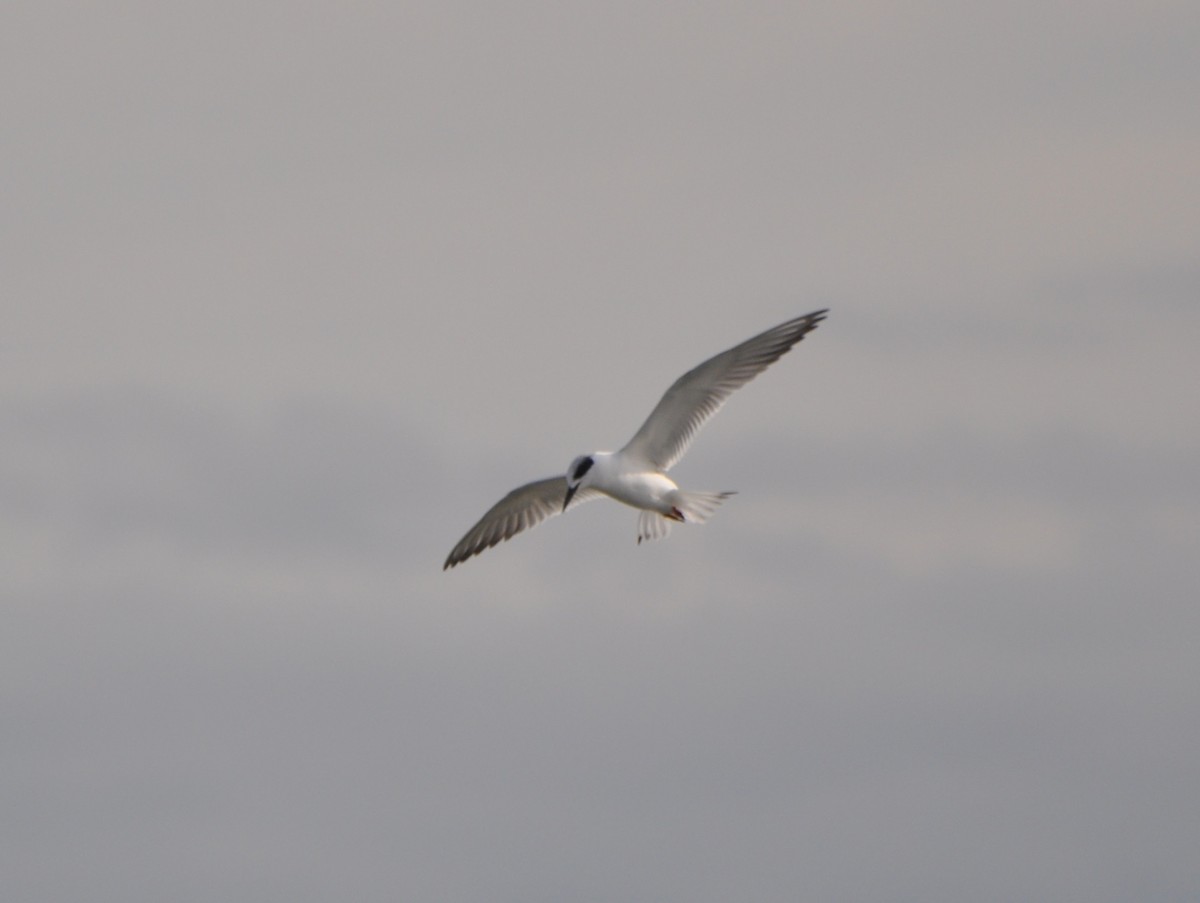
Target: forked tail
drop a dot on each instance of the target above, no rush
(691, 508)
(697, 507)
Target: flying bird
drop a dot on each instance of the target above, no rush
(637, 474)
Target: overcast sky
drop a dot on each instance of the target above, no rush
(293, 292)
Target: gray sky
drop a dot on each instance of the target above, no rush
(293, 292)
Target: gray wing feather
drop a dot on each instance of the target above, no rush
(522, 509)
(699, 394)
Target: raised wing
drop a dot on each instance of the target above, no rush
(700, 392)
(522, 509)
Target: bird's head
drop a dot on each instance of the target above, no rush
(578, 474)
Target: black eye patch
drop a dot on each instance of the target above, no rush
(584, 466)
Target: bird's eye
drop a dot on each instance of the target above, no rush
(581, 469)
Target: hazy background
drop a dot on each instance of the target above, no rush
(292, 293)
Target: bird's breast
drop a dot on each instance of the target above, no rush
(645, 490)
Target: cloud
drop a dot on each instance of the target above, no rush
(145, 487)
(296, 293)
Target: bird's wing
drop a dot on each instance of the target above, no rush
(700, 392)
(523, 508)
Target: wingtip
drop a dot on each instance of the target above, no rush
(454, 561)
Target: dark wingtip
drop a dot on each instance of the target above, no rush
(815, 318)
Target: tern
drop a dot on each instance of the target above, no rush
(637, 474)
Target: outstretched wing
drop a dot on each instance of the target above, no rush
(522, 509)
(700, 392)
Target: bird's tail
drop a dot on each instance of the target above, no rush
(692, 508)
(697, 507)
(652, 525)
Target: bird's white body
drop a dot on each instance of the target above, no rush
(636, 475)
(633, 482)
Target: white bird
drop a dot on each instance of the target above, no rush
(637, 474)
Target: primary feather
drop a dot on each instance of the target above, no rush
(697, 395)
(523, 508)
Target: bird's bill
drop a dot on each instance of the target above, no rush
(570, 493)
